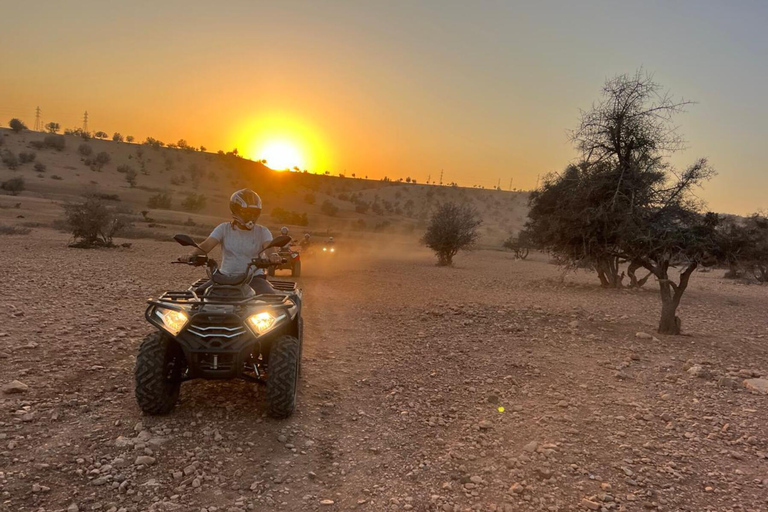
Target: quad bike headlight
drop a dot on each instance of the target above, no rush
(174, 321)
(263, 322)
(333, 250)
(325, 249)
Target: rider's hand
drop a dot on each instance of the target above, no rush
(274, 258)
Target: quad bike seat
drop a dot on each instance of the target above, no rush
(227, 280)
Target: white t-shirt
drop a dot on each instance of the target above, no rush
(239, 246)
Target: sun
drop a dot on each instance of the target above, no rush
(281, 155)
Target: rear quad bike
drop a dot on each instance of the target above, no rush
(292, 259)
(219, 328)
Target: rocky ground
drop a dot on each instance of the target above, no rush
(492, 386)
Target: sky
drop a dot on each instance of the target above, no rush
(484, 91)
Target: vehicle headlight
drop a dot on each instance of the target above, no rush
(333, 250)
(325, 248)
(264, 321)
(174, 321)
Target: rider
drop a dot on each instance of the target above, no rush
(284, 232)
(305, 241)
(241, 239)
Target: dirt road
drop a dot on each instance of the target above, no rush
(407, 370)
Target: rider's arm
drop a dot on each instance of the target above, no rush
(206, 246)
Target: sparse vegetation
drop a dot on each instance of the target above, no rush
(100, 160)
(53, 141)
(84, 149)
(519, 244)
(329, 208)
(452, 228)
(161, 201)
(10, 160)
(310, 198)
(130, 177)
(288, 217)
(14, 230)
(27, 157)
(52, 127)
(39, 167)
(194, 202)
(13, 186)
(117, 137)
(92, 223)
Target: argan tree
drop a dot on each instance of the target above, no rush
(17, 125)
(452, 228)
(624, 202)
(52, 127)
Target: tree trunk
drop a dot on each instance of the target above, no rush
(608, 272)
(634, 282)
(671, 293)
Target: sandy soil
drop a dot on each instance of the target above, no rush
(406, 368)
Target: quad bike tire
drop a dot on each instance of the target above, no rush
(158, 374)
(296, 269)
(283, 376)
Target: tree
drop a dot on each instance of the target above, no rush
(194, 202)
(624, 202)
(9, 159)
(329, 208)
(117, 137)
(101, 159)
(84, 149)
(129, 138)
(52, 127)
(100, 135)
(17, 125)
(92, 223)
(161, 201)
(452, 228)
(53, 141)
(13, 186)
(520, 244)
(130, 177)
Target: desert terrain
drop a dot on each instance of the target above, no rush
(407, 369)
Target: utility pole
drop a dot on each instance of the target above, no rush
(85, 121)
(498, 185)
(510, 184)
(441, 176)
(38, 125)
(428, 177)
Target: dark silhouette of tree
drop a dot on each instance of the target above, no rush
(17, 125)
(52, 127)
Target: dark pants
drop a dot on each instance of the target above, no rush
(260, 285)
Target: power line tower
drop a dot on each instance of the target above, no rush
(38, 123)
(428, 178)
(510, 184)
(441, 176)
(85, 121)
(498, 185)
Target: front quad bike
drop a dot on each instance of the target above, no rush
(292, 261)
(220, 329)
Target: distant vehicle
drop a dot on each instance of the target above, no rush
(330, 246)
(292, 262)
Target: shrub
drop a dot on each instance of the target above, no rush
(14, 230)
(288, 217)
(17, 125)
(13, 186)
(26, 158)
(124, 168)
(117, 137)
(160, 201)
(40, 167)
(129, 138)
(329, 208)
(92, 223)
(362, 207)
(9, 159)
(453, 227)
(53, 141)
(130, 177)
(84, 149)
(100, 160)
(56, 177)
(105, 197)
(37, 144)
(194, 202)
(52, 127)
(520, 245)
(100, 135)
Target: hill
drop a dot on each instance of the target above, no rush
(308, 202)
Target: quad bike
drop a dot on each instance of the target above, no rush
(292, 259)
(219, 328)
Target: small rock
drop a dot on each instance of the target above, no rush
(144, 460)
(326, 502)
(642, 336)
(531, 447)
(15, 386)
(757, 385)
(591, 505)
(699, 371)
(485, 425)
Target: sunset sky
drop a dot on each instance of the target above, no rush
(483, 90)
